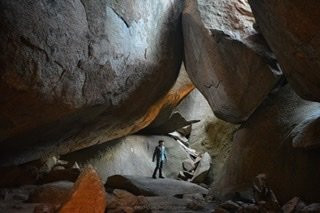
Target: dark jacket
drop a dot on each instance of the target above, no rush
(157, 153)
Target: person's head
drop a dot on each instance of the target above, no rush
(161, 142)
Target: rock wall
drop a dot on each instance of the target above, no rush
(77, 73)
(263, 144)
(211, 134)
(228, 59)
(291, 28)
(131, 155)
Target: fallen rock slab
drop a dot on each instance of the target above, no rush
(148, 186)
(201, 172)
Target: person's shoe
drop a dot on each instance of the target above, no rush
(154, 177)
(161, 177)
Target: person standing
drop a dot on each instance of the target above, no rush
(160, 154)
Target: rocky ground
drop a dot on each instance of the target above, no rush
(138, 194)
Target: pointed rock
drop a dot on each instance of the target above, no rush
(88, 194)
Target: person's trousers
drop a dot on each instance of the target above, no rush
(158, 167)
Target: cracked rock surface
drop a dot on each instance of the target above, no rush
(291, 28)
(79, 72)
(227, 60)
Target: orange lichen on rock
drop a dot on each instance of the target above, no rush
(88, 194)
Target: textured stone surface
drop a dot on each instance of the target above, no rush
(72, 73)
(131, 155)
(148, 186)
(291, 28)
(305, 135)
(88, 194)
(225, 57)
(202, 170)
(185, 86)
(53, 193)
(211, 134)
(263, 144)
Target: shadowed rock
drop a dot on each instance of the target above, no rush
(78, 73)
(291, 28)
(264, 144)
(226, 59)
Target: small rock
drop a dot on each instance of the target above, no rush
(230, 205)
(189, 175)
(75, 166)
(195, 196)
(312, 208)
(44, 208)
(295, 204)
(58, 167)
(188, 165)
(48, 164)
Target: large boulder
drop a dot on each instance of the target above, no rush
(131, 155)
(147, 186)
(69, 71)
(263, 144)
(227, 60)
(291, 28)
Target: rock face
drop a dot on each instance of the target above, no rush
(148, 186)
(53, 193)
(225, 57)
(166, 120)
(264, 144)
(131, 155)
(211, 134)
(291, 28)
(69, 71)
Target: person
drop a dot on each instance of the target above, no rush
(160, 155)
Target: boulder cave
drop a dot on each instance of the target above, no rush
(97, 96)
